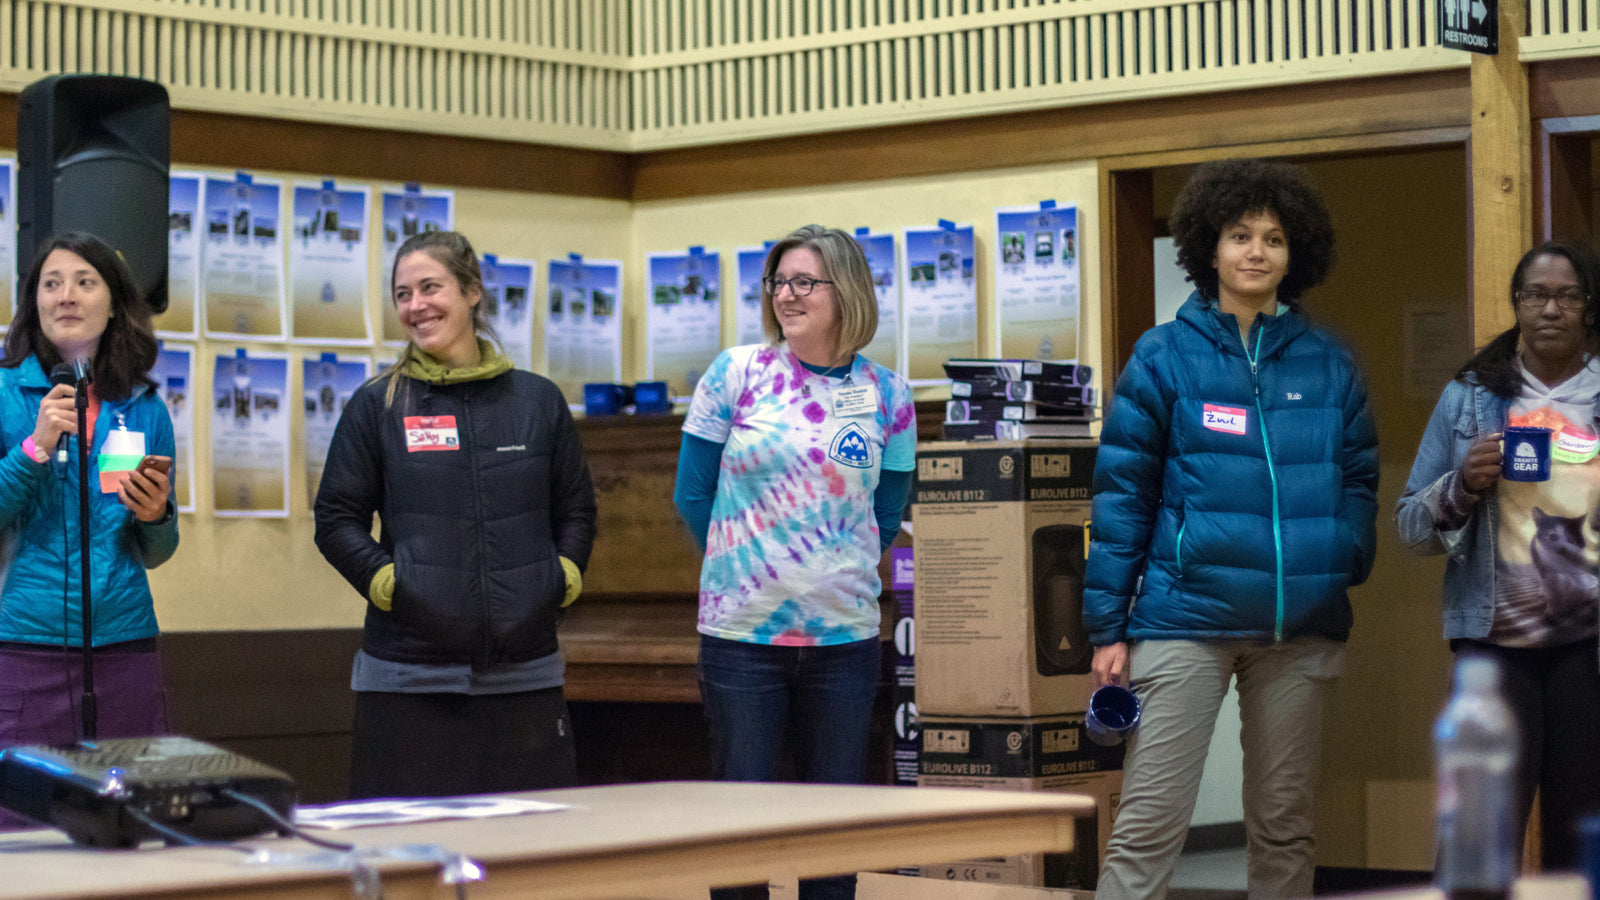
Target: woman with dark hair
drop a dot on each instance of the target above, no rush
(1520, 583)
(1235, 492)
(795, 467)
(487, 510)
(79, 303)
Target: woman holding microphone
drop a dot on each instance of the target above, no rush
(79, 303)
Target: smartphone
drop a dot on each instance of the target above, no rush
(162, 464)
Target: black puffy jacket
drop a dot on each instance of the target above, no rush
(474, 532)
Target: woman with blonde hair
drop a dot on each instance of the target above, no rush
(796, 464)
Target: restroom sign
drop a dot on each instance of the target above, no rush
(1472, 25)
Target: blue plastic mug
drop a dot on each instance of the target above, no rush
(1113, 714)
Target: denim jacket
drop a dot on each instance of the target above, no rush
(1465, 413)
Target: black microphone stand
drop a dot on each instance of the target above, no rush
(81, 402)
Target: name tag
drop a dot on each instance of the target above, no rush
(431, 433)
(853, 401)
(1231, 419)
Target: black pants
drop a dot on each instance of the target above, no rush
(441, 745)
(1555, 694)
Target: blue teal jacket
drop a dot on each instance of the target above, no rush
(1465, 413)
(39, 525)
(1235, 489)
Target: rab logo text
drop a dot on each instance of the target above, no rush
(1231, 419)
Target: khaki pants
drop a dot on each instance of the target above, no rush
(1282, 692)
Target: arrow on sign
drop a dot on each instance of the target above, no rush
(1479, 11)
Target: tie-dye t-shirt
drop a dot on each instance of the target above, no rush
(792, 555)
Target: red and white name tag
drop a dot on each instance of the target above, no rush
(1231, 419)
(432, 433)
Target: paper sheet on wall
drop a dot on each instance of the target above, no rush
(328, 264)
(173, 374)
(8, 241)
(327, 382)
(1436, 343)
(250, 434)
(583, 328)
(184, 216)
(241, 260)
(939, 305)
(406, 212)
(1036, 281)
(684, 321)
(508, 296)
(885, 347)
(748, 263)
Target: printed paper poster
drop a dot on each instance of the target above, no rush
(174, 377)
(184, 214)
(747, 327)
(885, 347)
(8, 240)
(940, 301)
(407, 212)
(327, 383)
(328, 264)
(1036, 281)
(583, 329)
(684, 324)
(250, 434)
(508, 297)
(242, 258)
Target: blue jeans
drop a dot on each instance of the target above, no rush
(821, 698)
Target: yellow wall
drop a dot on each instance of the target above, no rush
(266, 573)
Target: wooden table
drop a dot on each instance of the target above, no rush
(661, 840)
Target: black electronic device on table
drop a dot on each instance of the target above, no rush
(96, 791)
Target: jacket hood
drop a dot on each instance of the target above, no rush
(1204, 314)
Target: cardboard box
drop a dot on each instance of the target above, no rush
(1052, 753)
(903, 692)
(1000, 546)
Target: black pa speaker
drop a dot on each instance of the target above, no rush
(92, 155)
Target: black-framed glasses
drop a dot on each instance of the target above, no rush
(800, 285)
(1568, 298)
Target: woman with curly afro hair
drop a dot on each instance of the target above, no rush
(1235, 496)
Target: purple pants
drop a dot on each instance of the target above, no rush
(41, 693)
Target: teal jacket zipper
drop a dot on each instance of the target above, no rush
(1272, 475)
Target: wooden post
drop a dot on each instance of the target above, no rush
(1502, 175)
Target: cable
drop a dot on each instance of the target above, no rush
(176, 836)
(287, 826)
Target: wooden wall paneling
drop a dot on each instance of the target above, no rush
(1502, 173)
(1563, 163)
(1369, 108)
(1128, 259)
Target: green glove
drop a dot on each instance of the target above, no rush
(574, 580)
(381, 590)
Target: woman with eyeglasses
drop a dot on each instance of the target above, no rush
(795, 467)
(1520, 583)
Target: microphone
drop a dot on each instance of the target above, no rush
(75, 373)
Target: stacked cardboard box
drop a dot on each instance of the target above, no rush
(903, 692)
(1002, 663)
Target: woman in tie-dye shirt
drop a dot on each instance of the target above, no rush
(796, 464)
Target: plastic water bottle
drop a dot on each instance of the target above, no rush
(1475, 751)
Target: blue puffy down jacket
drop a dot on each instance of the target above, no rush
(1235, 488)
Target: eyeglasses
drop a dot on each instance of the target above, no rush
(1566, 299)
(800, 285)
